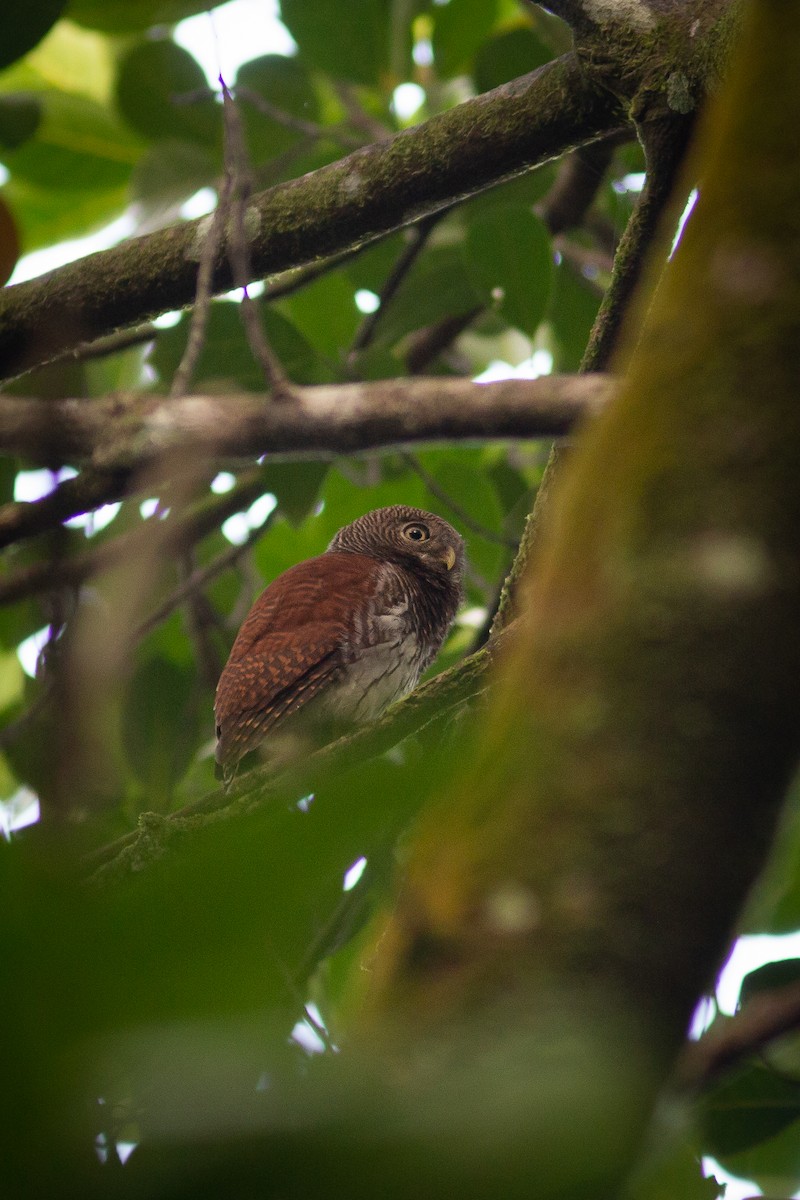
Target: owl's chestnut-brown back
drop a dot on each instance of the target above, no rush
(340, 636)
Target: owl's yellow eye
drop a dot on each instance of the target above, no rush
(416, 533)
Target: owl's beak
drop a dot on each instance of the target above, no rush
(449, 558)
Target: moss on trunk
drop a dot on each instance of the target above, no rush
(574, 892)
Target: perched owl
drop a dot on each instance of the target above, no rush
(336, 639)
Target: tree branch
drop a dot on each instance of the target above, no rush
(766, 1017)
(577, 183)
(408, 716)
(180, 532)
(357, 199)
(405, 261)
(665, 145)
(74, 496)
(327, 420)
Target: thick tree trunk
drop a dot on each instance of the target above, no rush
(564, 906)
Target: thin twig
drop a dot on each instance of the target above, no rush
(358, 116)
(665, 145)
(578, 181)
(426, 345)
(403, 264)
(237, 171)
(113, 343)
(198, 579)
(201, 620)
(89, 490)
(202, 297)
(298, 996)
(586, 262)
(308, 129)
(768, 1016)
(182, 530)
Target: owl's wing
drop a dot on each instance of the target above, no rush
(259, 689)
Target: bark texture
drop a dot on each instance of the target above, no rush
(574, 893)
(350, 202)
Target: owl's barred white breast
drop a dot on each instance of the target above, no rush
(385, 660)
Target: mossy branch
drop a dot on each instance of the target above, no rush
(430, 702)
(360, 198)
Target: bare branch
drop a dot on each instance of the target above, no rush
(325, 421)
(202, 295)
(180, 532)
(114, 343)
(201, 622)
(307, 129)
(197, 580)
(72, 497)
(426, 345)
(577, 183)
(237, 169)
(377, 189)
(766, 1017)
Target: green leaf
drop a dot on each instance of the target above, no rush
(751, 1124)
(12, 679)
(20, 115)
(671, 1171)
(132, 16)
(45, 219)
(752, 1106)
(166, 176)
(226, 358)
(162, 93)
(325, 312)
(769, 977)
(507, 56)
(510, 261)
(572, 313)
(79, 145)
(22, 26)
(286, 85)
(459, 29)
(437, 286)
(295, 486)
(160, 726)
(775, 905)
(350, 41)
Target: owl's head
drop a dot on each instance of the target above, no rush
(408, 536)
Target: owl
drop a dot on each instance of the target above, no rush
(334, 640)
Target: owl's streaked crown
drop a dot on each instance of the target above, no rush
(406, 536)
